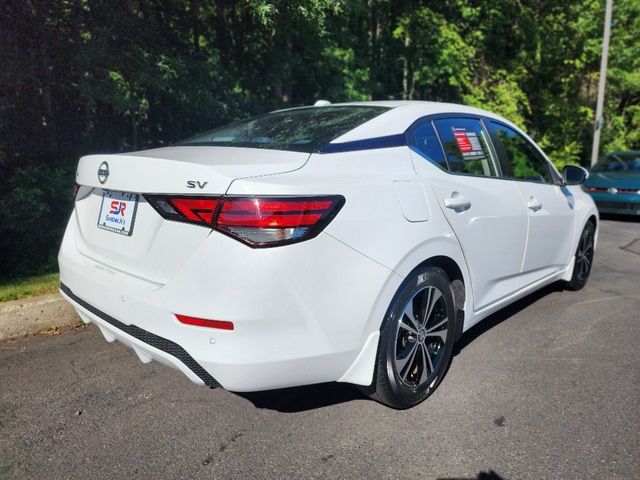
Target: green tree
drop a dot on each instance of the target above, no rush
(86, 76)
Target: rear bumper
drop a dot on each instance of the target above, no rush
(302, 313)
(147, 345)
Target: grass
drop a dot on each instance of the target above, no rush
(29, 287)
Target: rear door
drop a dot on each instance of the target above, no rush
(485, 211)
(549, 205)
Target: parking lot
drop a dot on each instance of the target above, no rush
(548, 388)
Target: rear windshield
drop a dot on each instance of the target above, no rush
(628, 162)
(301, 129)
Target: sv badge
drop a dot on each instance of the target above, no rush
(196, 183)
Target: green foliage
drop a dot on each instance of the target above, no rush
(35, 210)
(83, 76)
(29, 287)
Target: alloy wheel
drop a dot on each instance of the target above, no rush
(421, 337)
(584, 254)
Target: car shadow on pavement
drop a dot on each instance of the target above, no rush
(300, 399)
(502, 315)
(620, 217)
(490, 475)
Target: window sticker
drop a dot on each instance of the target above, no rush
(469, 144)
(462, 139)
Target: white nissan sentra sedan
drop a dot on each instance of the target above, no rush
(349, 242)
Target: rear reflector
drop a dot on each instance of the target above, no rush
(201, 322)
(256, 221)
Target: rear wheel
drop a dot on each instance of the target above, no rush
(583, 258)
(416, 340)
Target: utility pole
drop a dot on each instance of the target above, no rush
(601, 83)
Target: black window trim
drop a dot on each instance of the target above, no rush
(555, 178)
(410, 139)
(444, 152)
(437, 116)
(484, 120)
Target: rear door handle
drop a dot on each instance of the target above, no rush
(534, 204)
(457, 202)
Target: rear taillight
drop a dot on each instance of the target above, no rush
(256, 221)
(274, 221)
(198, 210)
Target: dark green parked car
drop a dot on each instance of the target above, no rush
(614, 183)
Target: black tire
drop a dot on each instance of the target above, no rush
(583, 258)
(400, 380)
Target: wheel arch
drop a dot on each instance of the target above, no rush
(361, 370)
(445, 253)
(587, 214)
(458, 285)
(590, 217)
(585, 211)
(452, 270)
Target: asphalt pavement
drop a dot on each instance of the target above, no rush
(548, 388)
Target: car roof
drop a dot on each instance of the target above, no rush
(402, 114)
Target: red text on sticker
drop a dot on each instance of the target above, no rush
(462, 140)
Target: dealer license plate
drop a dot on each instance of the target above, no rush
(118, 212)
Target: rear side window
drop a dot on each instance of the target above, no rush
(424, 139)
(523, 160)
(466, 147)
(300, 129)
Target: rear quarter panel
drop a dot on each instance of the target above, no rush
(371, 221)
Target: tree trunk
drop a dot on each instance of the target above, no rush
(47, 98)
(134, 128)
(223, 41)
(407, 90)
(288, 77)
(195, 25)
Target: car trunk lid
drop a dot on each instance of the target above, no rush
(151, 247)
(171, 169)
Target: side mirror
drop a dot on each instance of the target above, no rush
(574, 175)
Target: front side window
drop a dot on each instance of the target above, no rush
(524, 161)
(300, 129)
(466, 146)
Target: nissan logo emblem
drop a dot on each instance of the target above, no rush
(103, 172)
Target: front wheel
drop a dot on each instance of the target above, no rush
(416, 340)
(583, 258)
